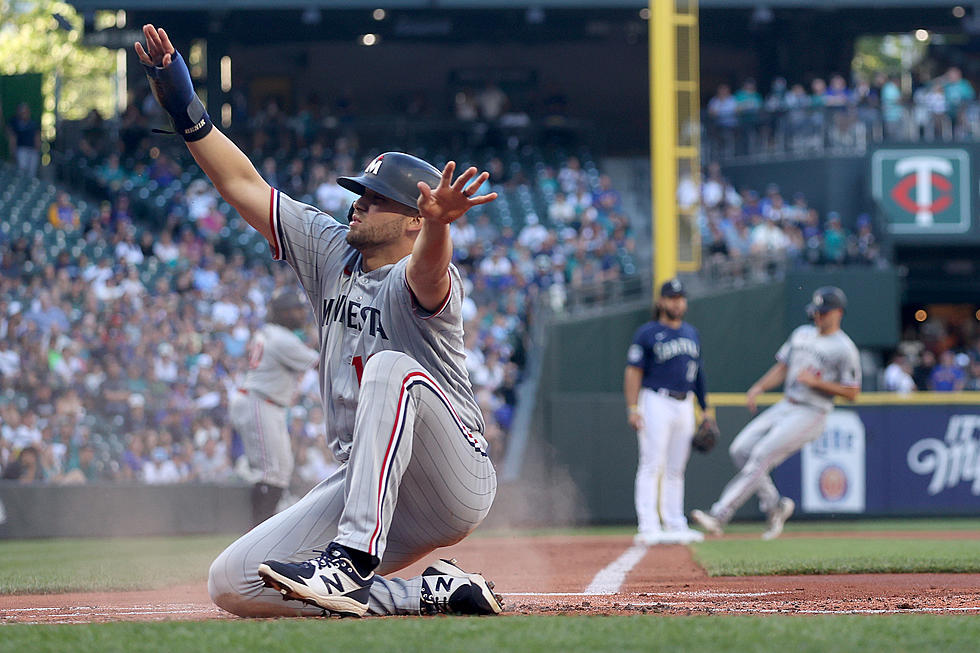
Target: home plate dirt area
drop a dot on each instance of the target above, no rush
(577, 575)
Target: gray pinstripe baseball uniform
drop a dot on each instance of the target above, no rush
(401, 418)
(276, 356)
(784, 428)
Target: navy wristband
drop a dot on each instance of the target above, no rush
(173, 89)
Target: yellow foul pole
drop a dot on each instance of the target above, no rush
(674, 135)
(663, 140)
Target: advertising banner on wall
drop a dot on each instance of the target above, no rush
(833, 466)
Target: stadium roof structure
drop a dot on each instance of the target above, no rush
(154, 5)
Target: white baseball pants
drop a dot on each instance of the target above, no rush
(764, 443)
(665, 446)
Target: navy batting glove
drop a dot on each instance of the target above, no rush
(173, 89)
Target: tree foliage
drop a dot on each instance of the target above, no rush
(892, 54)
(32, 41)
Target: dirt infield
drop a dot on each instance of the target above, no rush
(583, 575)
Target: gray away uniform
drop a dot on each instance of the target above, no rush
(276, 357)
(401, 419)
(784, 428)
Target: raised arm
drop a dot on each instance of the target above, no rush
(225, 165)
(428, 269)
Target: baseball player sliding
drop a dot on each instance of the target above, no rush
(817, 363)
(663, 366)
(401, 417)
(276, 357)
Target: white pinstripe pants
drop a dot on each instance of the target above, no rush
(262, 426)
(414, 482)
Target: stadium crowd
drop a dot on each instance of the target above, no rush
(941, 355)
(834, 113)
(745, 234)
(124, 321)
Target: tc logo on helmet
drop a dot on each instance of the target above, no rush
(375, 165)
(922, 191)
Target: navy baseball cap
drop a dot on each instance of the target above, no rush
(673, 288)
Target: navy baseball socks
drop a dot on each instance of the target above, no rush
(333, 581)
(447, 589)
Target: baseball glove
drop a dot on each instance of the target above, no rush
(706, 437)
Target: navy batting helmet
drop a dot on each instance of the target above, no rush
(396, 176)
(825, 299)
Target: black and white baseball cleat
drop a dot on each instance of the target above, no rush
(329, 581)
(447, 589)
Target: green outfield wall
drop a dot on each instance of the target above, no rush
(122, 509)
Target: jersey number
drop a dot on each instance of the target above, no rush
(692, 371)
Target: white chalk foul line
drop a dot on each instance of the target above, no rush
(693, 594)
(610, 578)
(549, 594)
(708, 594)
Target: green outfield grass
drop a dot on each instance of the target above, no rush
(837, 555)
(867, 634)
(91, 565)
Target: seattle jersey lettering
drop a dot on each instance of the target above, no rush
(352, 315)
(664, 351)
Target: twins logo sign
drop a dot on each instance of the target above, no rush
(922, 191)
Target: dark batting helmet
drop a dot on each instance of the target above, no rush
(394, 175)
(287, 308)
(825, 299)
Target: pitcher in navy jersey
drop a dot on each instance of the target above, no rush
(663, 368)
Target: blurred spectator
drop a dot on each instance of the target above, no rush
(973, 382)
(160, 469)
(26, 468)
(834, 240)
(898, 375)
(83, 467)
(492, 102)
(947, 376)
(957, 92)
(466, 109)
(62, 213)
(748, 107)
(723, 119)
(24, 134)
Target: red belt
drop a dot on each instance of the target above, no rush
(259, 395)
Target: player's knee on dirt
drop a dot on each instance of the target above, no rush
(221, 591)
(226, 584)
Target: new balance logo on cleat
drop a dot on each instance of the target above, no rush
(447, 589)
(339, 589)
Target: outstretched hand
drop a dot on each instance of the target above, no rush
(159, 50)
(448, 201)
